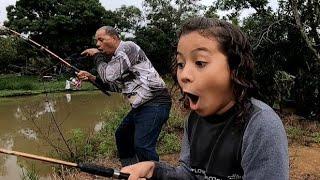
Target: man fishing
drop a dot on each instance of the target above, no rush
(130, 72)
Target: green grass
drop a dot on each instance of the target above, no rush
(11, 85)
(294, 132)
(169, 139)
(87, 146)
(11, 82)
(302, 135)
(316, 137)
(169, 143)
(30, 174)
(105, 140)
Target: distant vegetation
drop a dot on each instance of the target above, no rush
(13, 85)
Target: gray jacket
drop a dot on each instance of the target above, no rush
(130, 72)
(264, 150)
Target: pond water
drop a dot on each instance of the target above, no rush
(25, 121)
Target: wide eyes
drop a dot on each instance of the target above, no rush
(198, 64)
(180, 65)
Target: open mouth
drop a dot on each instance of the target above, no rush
(193, 98)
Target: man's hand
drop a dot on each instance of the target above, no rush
(90, 52)
(84, 75)
(140, 170)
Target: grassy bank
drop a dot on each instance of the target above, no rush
(299, 131)
(88, 146)
(12, 85)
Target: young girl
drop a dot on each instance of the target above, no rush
(228, 134)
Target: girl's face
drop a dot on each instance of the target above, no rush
(203, 74)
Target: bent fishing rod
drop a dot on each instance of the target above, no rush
(88, 168)
(100, 87)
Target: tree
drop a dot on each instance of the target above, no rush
(128, 18)
(158, 37)
(287, 42)
(8, 52)
(305, 17)
(65, 26)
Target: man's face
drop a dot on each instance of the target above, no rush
(203, 74)
(105, 43)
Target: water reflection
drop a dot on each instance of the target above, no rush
(68, 96)
(9, 164)
(18, 114)
(28, 133)
(35, 109)
(26, 124)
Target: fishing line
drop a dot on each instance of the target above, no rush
(24, 40)
(75, 69)
(55, 121)
(47, 100)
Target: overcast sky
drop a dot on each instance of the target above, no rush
(109, 4)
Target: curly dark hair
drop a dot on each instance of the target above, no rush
(235, 45)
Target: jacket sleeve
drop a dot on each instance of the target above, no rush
(109, 86)
(101, 62)
(183, 171)
(265, 148)
(112, 70)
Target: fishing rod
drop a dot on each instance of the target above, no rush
(100, 87)
(88, 168)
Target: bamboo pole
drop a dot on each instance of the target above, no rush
(89, 168)
(36, 157)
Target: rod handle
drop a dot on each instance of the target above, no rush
(76, 70)
(102, 171)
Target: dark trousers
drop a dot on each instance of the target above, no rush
(137, 135)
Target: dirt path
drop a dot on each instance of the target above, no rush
(304, 162)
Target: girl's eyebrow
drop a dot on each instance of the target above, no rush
(178, 54)
(194, 51)
(200, 49)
